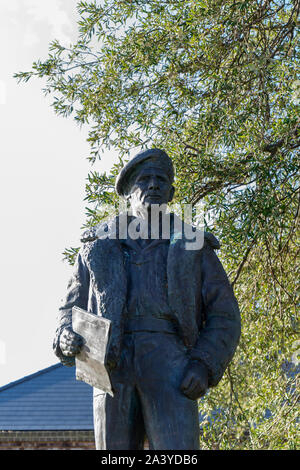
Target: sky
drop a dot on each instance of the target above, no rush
(42, 187)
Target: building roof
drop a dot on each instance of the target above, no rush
(51, 399)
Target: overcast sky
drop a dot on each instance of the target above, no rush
(43, 172)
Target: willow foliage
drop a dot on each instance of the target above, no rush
(215, 83)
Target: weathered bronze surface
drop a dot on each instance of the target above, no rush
(175, 323)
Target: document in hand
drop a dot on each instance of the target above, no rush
(90, 362)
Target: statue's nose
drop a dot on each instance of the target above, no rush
(153, 184)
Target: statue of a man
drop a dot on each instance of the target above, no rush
(175, 320)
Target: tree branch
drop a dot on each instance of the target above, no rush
(239, 270)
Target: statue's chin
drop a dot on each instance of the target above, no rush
(143, 210)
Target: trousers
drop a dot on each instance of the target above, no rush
(147, 401)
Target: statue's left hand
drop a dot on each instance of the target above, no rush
(195, 382)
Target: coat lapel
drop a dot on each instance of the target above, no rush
(184, 289)
(109, 278)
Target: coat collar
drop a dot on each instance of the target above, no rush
(117, 229)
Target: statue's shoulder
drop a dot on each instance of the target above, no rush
(211, 241)
(92, 239)
(103, 230)
(89, 235)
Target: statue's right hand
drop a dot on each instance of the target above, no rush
(70, 343)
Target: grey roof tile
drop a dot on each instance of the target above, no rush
(50, 399)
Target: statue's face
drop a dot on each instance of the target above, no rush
(150, 185)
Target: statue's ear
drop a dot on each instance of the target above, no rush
(171, 194)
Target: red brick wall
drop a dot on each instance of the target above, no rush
(47, 440)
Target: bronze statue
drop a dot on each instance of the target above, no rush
(175, 320)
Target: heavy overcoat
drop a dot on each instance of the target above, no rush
(199, 294)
